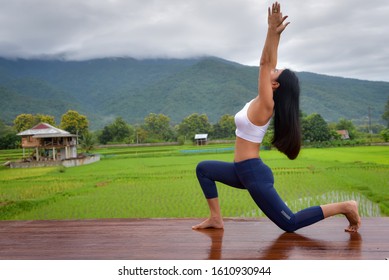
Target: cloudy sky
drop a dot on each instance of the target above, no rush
(346, 38)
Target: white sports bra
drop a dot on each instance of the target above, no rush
(246, 129)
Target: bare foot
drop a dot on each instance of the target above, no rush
(352, 216)
(210, 223)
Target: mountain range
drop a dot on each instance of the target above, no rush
(103, 89)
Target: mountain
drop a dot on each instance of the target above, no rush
(103, 89)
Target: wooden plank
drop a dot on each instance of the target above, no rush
(170, 239)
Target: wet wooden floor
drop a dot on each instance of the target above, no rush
(173, 239)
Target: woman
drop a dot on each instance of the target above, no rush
(278, 97)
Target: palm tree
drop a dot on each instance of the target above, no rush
(87, 141)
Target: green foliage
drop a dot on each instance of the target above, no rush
(334, 98)
(133, 89)
(121, 131)
(105, 136)
(385, 115)
(24, 95)
(158, 128)
(8, 138)
(46, 119)
(315, 129)
(87, 141)
(153, 182)
(74, 122)
(118, 131)
(224, 128)
(267, 140)
(141, 135)
(26, 121)
(385, 134)
(194, 124)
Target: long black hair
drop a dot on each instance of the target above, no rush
(287, 128)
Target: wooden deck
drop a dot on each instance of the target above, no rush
(173, 239)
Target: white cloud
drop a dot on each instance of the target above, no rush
(346, 38)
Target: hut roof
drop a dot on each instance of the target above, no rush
(44, 130)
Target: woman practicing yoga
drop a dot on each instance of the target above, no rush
(278, 98)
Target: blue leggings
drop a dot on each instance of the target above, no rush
(257, 178)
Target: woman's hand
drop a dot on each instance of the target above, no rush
(275, 18)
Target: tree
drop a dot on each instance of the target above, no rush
(117, 131)
(158, 127)
(87, 141)
(385, 115)
(315, 128)
(385, 134)
(74, 122)
(120, 130)
(224, 128)
(105, 135)
(333, 131)
(23, 122)
(8, 137)
(140, 135)
(46, 119)
(194, 124)
(26, 121)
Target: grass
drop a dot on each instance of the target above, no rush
(158, 182)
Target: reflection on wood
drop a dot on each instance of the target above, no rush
(151, 239)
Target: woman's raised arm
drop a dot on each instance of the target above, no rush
(276, 26)
(268, 62)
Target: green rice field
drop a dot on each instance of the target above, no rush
(160, 182)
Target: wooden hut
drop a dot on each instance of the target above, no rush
(201, 139)
(49, 143)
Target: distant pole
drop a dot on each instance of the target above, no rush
(370, 120)
(370, 131)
